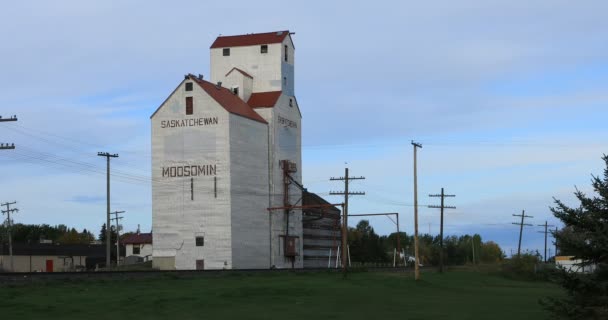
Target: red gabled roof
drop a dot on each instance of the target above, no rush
(249, 39)
(264, 99)
(141, 238)
(231, 102)
(239, 70)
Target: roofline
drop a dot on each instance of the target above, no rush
(290, 39)
(297, 106)
(239, 70)
(169, 96)
(261, 120)
(280, 92)
(288, 33)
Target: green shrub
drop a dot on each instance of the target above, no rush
(523, 267)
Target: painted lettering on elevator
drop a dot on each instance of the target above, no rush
(189, 171)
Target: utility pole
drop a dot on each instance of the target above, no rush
(116, 217)
(546, 225)
(6, 146)
(442, 196)
(521, 228)
(108, 226)
(346, 193)
(417, 267)
(9, 226)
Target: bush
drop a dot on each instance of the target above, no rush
(523, 267)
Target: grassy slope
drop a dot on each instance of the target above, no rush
(455, 295)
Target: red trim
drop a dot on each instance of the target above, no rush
(264, 99)
(249, 39)
(231, 102)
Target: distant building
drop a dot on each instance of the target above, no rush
(51, 257)
(223, 152)
(138, 245)
(573, 265)
(322, 235)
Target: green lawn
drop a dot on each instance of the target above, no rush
(311, 296)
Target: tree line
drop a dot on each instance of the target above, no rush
(367, 246)
(59, 234)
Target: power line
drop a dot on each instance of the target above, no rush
(521, 228)
(417, 262)
(116, 218)
(9, 224)
(442, 195)
(546, 225)
(7, 146)
(346, 194)
(108, 231)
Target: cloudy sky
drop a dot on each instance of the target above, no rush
(508, 98)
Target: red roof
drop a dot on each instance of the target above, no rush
(264, 99)
(249, 39)
(141, 238)
(239, 70)
(231, 102)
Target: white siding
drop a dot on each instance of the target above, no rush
(239, 232)
(145, 250)
(267, 69)
(249, 189)
(285, 144)
(177, 219)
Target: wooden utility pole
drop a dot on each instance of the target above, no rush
(108, 225)
(546, 225)
(521, 228)
(6, 146)
(116, 217)
(346, 193)
(417, 267)
(9, 226)
(442, 196)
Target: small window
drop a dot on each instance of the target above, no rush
(188, 86)
(291, 102)
(286, 53)
(226, 52)
(200, 241)
(284, 81)
(189, 106)
(235, 90)
(136, 249)
(264, 48)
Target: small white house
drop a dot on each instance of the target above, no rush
(573, 265)
(139, 245)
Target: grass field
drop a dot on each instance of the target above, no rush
(367, 295)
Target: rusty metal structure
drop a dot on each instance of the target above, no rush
(311, 212)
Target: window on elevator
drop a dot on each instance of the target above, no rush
(189, 106)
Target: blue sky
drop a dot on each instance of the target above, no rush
(509, 100)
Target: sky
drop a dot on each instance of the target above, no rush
(509, 100)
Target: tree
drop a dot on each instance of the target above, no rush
(490, 252)
(585, 235)
(365, 245)
(102, 234)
